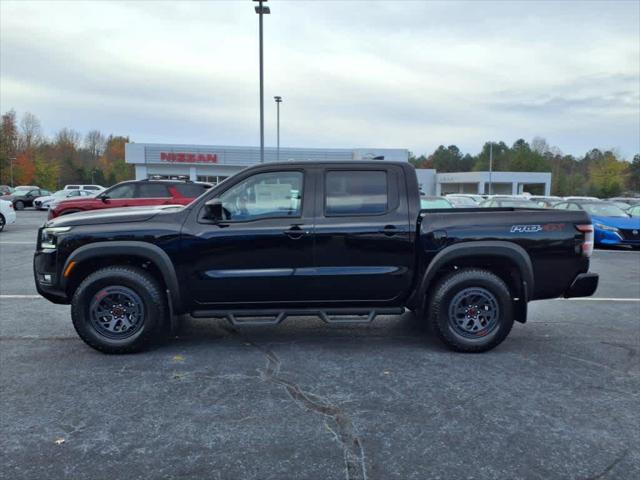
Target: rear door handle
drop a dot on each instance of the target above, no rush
(295, 232)
(389, 230)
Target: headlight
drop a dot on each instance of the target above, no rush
(606, 227)
(49, 236)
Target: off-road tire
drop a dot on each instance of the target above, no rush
(439, 310)
(144, 285)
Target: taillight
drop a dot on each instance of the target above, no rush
(587, 244)
(11, 206)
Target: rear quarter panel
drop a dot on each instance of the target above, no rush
(548, 236)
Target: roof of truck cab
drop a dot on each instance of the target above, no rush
(335, 163)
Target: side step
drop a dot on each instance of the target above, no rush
(336, 316)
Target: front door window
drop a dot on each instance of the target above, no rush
(265, 195)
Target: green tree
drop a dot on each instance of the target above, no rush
(607, 175)
(501, 157)
(633, 181)
(47, 172)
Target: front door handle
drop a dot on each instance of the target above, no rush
(295, 232)
(389, 230)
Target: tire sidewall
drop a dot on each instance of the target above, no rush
(453, 285)
(153, 310)
(19, 205)
(3, 222)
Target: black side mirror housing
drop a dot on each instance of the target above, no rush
(214, 210)
(104, 198)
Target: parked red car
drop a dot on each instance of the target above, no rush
(135, 193)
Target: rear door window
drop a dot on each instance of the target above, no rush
(190, 190)
(356, 192)
(152, 190)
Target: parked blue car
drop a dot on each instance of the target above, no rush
(612, 225)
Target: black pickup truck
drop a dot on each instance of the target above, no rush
(343, 241)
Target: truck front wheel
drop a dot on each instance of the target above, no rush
(119, 309)
(471, 310)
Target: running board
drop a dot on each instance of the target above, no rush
(335, 316)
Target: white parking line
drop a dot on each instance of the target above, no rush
(595, 252)
(21, 296)
(600, 299)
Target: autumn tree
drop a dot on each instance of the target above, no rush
(24, 168)
(112, 161)
(8, 145)
(30, 132)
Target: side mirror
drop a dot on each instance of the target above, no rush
(104, 198)
(214, 210)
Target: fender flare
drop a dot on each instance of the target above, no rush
(148, 251)
(508, 250)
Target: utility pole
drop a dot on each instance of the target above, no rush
(261, 10)
(278, 100)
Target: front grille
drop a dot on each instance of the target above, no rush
(630, 234)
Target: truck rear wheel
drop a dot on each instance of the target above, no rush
(471, 310)
(119, 309)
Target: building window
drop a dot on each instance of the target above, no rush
(213, 179)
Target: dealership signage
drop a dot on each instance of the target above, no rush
(186, 157)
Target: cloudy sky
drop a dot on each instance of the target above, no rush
(408, 74)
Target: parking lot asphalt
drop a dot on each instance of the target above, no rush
(558, 399)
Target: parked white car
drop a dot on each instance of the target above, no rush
(43, 203)
(70, 194)
(53, 200)
(93, 188)
(7, 214)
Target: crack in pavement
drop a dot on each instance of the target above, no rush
(609, 467)
(344, 432)
(631, 353)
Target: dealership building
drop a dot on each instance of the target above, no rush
(214, 163)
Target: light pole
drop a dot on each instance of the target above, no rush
(278, 102)
(490, 168)
(261, 10)
(11, 160)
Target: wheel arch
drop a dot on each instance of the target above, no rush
(509, 261)
(95, 255)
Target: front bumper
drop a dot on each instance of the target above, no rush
(621, 237)
(9, 216)
(584, 285)
(46, 277)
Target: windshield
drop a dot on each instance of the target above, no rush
(60, 193)
(434, 203)
(462, 201)
(518, 204)
(603, 209)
